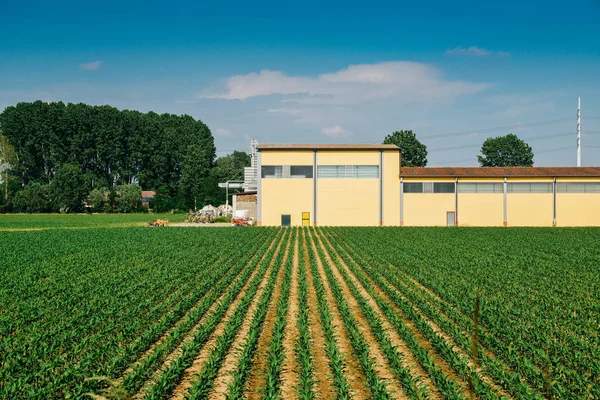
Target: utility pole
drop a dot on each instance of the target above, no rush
(579, 131)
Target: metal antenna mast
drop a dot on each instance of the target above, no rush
(579, 131)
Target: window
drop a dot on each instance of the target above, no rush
(301, 171)
(413, 187)
(348, 171)
(428, 187)
(443, 187)
(578, 187)
(480, 187)
(537, 187)
(272, 171)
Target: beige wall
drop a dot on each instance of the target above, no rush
(286, 196)
(480, 209)
(391, 188)
(287, 158)
(427, 209)
(529, 209)
(340, 201)
(578, 209)
(348, 202)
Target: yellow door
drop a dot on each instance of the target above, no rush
(305, 219)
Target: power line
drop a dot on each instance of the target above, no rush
(499, 128)
(532, 139)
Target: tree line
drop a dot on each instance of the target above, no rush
(53, 155)
(501, 151)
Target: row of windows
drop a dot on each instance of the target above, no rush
(287, 171)
(578, 187)
(323, 171)
(428, 187)
(348, 171)
(514, 187)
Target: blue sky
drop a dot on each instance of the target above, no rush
(323, 72)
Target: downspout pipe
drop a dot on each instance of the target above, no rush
(259, 189)
(315, 188)
(381, 188)
(456, 201)
(401, 201)
(554, 202)
(505, 188)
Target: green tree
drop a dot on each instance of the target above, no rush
(97, 198)
(162, 201)
(226, 168)
(35, 197)
(505, 151)
(413, 153)
(8, 159)
(69, 188)
(128, 197)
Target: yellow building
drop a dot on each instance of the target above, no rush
(363, 185)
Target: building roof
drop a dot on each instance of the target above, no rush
(148, 194)
(262, 147)
(245, 193)
(498, 172)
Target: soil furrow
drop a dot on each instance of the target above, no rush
(231, 361)
(355, 376)
(409, 362)
(324, 388)
(382, 367)
(289, 378)
(423, 342)
(190, 334)
(196, 367)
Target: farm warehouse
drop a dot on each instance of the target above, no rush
(364, 185)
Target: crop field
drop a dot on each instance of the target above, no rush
(326, 313)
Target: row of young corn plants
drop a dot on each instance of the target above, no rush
(536, 296)
(235, 388)
(173, 373)
(448, 387)
(494, 367)
(302, 348)
(215, 271)
(376, 385)
(226, 272)
(204, 382)
(457, 363)
(337, 363)
(508, 381)
(392, 355)
(82, 319)
(276, 354)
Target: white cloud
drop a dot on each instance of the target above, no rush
(475, 51)
(289, 111)
(335, 131)
(398, 80)
(223, 132)
(91, 66)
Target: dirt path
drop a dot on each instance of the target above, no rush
(190, 373)
(410, 363)
(354, 374)
(289, 377)
(322, 374)
(231, 360)
(382, 366)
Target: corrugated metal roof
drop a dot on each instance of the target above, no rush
(498, 172)
(327, 147)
